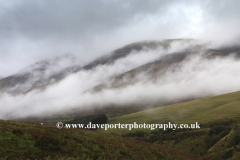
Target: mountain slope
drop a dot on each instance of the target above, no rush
(38, 75)
(50, 71)
(160, 67)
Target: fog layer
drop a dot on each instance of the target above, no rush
(195, 77)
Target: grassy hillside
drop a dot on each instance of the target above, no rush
(205, 111)
(218, 138)
(19, 140)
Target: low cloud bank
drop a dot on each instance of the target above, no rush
(195, 77)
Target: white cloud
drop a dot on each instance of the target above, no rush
(34, 30)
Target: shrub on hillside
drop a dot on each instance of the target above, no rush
(48, 143)
(216, 133)
(17, 132)
(217, 129)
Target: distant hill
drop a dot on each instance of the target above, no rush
(159, 67)
(49, 71)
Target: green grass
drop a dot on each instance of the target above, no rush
(19, 140)
(204, 111)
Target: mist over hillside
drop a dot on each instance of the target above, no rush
(145, 78)
(51, 70)
(39, 74)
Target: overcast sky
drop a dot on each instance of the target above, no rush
(32, 30)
